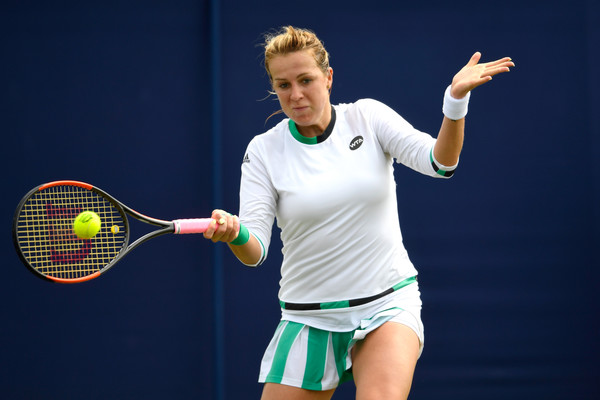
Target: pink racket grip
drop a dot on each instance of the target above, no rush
(194, 225)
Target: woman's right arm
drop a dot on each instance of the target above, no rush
(227, 230)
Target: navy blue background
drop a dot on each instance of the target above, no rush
(155, 102)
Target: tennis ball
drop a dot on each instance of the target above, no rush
(87, 225)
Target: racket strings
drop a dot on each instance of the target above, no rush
(46, 238)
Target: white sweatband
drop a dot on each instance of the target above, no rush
(455, 109)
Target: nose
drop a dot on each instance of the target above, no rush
(296, 93)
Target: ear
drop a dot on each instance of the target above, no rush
(329, 78)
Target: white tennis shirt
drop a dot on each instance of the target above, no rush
(334, 201)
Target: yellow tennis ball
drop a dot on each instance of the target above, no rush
(87, 225)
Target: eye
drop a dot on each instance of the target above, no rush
(283, 85)
(306, 81)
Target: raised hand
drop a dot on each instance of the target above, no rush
(475, 74)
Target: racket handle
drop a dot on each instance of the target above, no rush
(194, 225)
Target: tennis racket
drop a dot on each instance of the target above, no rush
(46, 243)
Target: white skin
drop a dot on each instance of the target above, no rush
(384, 362)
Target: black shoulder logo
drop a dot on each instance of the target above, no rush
(246, 159)
(356, 142)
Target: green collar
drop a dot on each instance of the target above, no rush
(313, 140)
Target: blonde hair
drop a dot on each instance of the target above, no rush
(290, 39)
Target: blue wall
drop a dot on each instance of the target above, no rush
(120, 95)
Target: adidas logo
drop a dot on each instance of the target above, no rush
(246, 159)
(356, 142)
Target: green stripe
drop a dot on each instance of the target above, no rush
(335, 304)
(435, 167)
(298, 136)
(340, 341)
(264, 252)
(291, 330)
(405, 282)
(315, 359)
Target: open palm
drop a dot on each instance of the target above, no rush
(475, 74)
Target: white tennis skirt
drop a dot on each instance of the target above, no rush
(316, 359)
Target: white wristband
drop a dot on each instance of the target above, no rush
(455, 109)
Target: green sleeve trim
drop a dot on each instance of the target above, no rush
(437, 169)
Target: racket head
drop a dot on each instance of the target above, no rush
(43, 232)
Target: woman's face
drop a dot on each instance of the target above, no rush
(303, 91)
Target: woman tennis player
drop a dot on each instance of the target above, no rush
(349, 295)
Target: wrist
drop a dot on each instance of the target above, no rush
(242, 237)
(453, 108)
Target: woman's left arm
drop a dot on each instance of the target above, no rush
(451, 135)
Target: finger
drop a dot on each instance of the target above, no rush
(210, 231)
(218, 214)
(221, 228)
(474, 59)
(221, 217)
(219, 233)
(236, 227)
(495, 71)
(229, 229)
(504, 62)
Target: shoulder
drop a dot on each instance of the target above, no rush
(364, 107)
(359, 104)
(270, 138)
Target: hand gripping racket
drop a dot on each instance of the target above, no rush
(46, 243)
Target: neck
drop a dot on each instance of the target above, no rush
(319, 128)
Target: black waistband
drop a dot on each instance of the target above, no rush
(345, 303)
